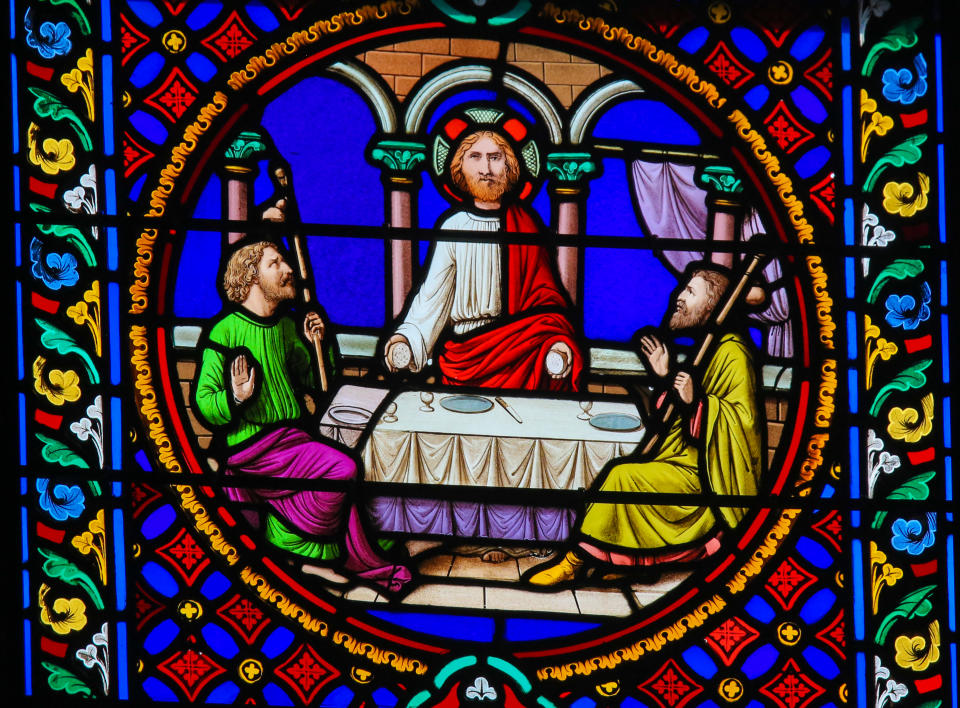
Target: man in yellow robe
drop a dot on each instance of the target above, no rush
(712, 446)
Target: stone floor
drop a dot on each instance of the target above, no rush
(461, 582)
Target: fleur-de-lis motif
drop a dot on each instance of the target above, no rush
(481, 690)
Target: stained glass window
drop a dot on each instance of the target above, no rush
(481, 352)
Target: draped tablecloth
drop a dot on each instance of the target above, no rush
(550, 450)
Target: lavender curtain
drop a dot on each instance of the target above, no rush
(673, 206)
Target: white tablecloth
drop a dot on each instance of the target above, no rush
(552, 449)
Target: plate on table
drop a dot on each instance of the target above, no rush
(616, 422)
(350, 415)
(466, 404)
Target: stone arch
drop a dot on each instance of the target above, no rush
(595, 102)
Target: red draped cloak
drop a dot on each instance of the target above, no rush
(511, 353)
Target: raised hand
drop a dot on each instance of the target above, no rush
(242, 378)
(313, 328)
(656, 354)
(683, 385)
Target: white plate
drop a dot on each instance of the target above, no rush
(350, 415)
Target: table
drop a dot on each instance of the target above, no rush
(550, 450)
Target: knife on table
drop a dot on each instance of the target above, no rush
(509, 409)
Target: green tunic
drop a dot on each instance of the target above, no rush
(282, 363)
(727, 457)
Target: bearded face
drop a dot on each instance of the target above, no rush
(694, 305)
(484, 169)
(275, 277)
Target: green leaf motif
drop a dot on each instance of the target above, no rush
(914, 488)
(79, 15)
(74, 237)
(903, 36)
(931, 704)
(58, 452)
(60, 679)
(911, 377)
(906, 153)
(59, 567)
(39, 208)
(899, 270)
(49, 106)
(915, 604)
(59, 341)
(94, 487)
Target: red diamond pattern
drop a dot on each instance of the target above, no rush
(174, 96)
(670, 687)
(145, 605)
(191, 671)
(821, 75)
(132, 40)
(725, 64)
(142, 495)
(185, 555)
(231, 39)
(306, 672)
(831, 525)
(792, 688)
(788, 582)
(731, 638)
(244, 616)
(824, 195)
(834, 636)
(786, 129)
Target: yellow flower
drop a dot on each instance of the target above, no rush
(912, 652)
(899, 197)
(867, 104)
(65, 616)
(59, 386)
(55, 155)
(905, 423)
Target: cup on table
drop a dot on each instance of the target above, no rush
(390, 413)
(585, 406)
(426, 397)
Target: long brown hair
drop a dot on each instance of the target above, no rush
(509, 159)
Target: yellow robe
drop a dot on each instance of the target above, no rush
(727, 457)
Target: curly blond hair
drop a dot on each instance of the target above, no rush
(509, 158)
(243, 270)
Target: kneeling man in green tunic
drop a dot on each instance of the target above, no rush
(712, 445)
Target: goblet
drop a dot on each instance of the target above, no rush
(426, 397)
(390, 413)
(585, 406)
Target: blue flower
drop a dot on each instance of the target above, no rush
(54, 269)
(902, 310)
(899, 84)
(54, 39)
(63, 503)
(909, 536)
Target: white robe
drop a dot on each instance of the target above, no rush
(462, 288)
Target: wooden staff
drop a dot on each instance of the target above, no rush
(303, 270)
(705, 346)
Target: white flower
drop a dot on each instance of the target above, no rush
(83, 429)
(895, 691)
(874, 444)
(888, 462)
(74, 198)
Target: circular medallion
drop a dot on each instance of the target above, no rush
(250, 670)
(174, 41)
(780, 73)
(719, 12)
(788, 633)
(730, 690)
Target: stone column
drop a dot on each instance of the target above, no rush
(239, 171)
(400, 162)
(569, 173)
(725, 205)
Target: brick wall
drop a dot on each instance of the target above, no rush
(403, 64)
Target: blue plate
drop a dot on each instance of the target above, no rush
(466, 404)
(615, 422)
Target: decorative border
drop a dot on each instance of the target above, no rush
(710, 94)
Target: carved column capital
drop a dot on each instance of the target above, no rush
(241, 155)
(571, 169)
(724, 187)
(399, 156)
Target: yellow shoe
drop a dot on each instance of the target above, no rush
(567, 570)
